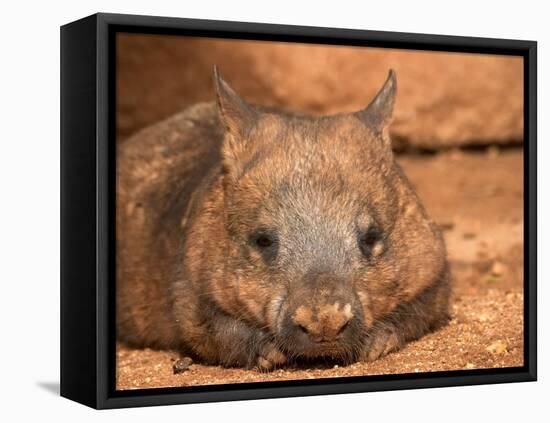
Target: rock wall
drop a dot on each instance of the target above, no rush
(444, 99)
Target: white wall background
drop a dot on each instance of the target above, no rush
(29, 209)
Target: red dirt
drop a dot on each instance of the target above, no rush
(477, 198)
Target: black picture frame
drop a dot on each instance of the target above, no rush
(88, 198)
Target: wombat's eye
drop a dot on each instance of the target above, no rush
(263, 240)
(266, 243)
(370, 242)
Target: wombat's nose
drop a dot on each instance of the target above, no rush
(324, 323)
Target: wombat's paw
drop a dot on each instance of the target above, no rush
(380, 343)
(269, 358)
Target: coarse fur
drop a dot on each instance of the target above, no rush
(251, 237)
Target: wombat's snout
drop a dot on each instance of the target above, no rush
(323, 323)
(322, 317)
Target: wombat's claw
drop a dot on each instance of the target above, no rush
(269, 359)
(383, 342)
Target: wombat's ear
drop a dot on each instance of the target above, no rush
(379, 112)
(236, 115)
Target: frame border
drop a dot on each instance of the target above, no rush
(88, 166)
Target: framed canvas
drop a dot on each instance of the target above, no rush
(258, 211)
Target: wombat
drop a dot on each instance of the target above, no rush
(248, 236)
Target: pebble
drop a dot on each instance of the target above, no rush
(483, 318)
(182, 365)
(497, 347)
(497, 269)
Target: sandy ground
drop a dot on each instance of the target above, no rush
(477, 198)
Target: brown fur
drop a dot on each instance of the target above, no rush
(251, 237)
